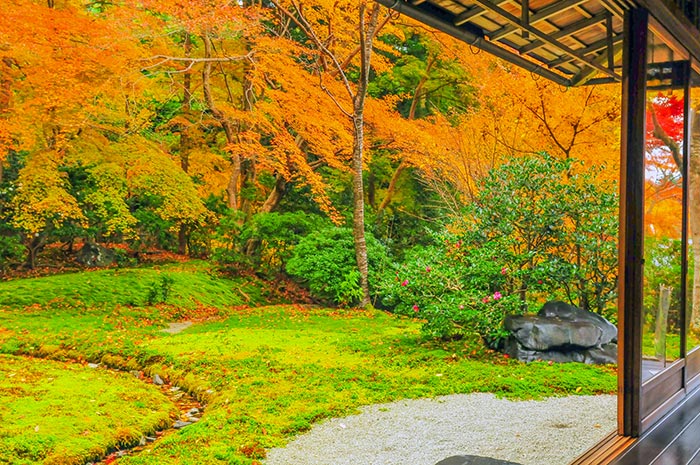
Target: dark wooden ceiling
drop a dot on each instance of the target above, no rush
(573, 42)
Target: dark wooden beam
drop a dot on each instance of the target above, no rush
(544, 37)
(473, 39)
(592, 48)
(541, 15)
(474, 12)
(673, 20)
(631, 248)
(609, 37)
(573, 28)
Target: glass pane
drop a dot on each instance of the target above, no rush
(663, 208)
(693, 289)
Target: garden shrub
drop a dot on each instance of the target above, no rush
(536, 230)
(455, 290)
(325, 261)
(11, 251)
(269, 238)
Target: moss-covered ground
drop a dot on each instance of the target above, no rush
(266, 372)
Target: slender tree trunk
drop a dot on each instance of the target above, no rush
(391, 189)
(234, 177)
(248, 165)
(366, 38)
(185, 143)
(359, 207)
(271, 203)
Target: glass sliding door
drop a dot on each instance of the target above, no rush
(659, 292)
(663, 206)
(693, 239)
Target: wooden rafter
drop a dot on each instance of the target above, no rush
(540, 16)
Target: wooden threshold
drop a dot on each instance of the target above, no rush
(605, 451)
(674, 440)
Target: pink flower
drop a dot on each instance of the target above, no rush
(504, 270)
(497, 295)
(486, 299)
(415, 308)
(427, 269)
(405, 283)
(506, 356)
(461, 307)
(539, 281)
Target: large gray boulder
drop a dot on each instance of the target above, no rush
(95, 255)
(562, 333)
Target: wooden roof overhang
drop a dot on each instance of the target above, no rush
(571, 42)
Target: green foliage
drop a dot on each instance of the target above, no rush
(447, 88)
(159, 290)
(270, 238)
(662, 266)
(227, 246)
(71, 414)
(325, 261)
(551, 227)
(536, 231)
(11, 251)
(456, 291)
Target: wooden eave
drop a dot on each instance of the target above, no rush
(572, 42)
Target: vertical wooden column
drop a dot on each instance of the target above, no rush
(631, 248)
(685, 170)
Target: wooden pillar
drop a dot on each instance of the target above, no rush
(631, 271)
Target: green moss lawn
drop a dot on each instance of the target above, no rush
(266, 371)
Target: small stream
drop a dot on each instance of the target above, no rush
(191, 410)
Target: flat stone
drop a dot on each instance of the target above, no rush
(473, 460)
(178, 327)
(158, 380)
(181, 424)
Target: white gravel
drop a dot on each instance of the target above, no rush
(424, 431)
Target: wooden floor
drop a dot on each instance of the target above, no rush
(675, 440)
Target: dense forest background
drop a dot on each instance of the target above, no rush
(299, 139)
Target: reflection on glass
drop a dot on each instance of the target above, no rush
(663, 209)
(693, 287)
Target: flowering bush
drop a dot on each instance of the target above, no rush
(538, 229)
(447, 288)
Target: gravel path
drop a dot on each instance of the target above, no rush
(424, 431)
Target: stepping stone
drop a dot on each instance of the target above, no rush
(473, 460)
(174, 328)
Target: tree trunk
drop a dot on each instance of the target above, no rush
(33, 249)
(235, 175)
(185, 143)
(358, 122)
(358, 214)
(248, 165)
(391, 189)
(270, 205)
